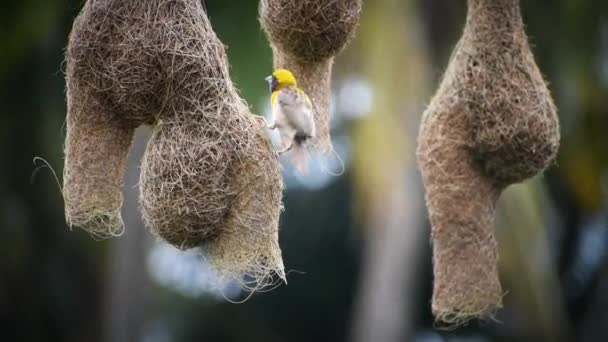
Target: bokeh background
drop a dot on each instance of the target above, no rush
(357, 245)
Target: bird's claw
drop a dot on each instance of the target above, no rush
(286, 149)
(271, 125)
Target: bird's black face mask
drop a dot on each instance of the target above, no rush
(272, 83)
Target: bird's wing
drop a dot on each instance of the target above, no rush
(297, 108)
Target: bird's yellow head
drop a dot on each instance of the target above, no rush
(281, 78)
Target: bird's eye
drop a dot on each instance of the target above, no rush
(274, 84)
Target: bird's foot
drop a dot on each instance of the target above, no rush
(272, 125)
(285, 149)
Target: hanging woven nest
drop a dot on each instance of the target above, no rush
(209, 177)
(305, 36)
(492, 123)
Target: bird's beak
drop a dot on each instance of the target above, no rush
(271, 82)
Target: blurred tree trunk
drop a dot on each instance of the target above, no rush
(127, 300)
(387, 188)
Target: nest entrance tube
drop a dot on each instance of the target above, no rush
(491, 123)
(305, 36)
(92, 190)
(209, 176)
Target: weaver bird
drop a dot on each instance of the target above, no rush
(292, 115)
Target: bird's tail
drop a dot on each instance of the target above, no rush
(298, 156)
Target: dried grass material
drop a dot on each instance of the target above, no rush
(209, 176)
(96, 148)
(492, 123)
(242, 248)
(305, 37)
